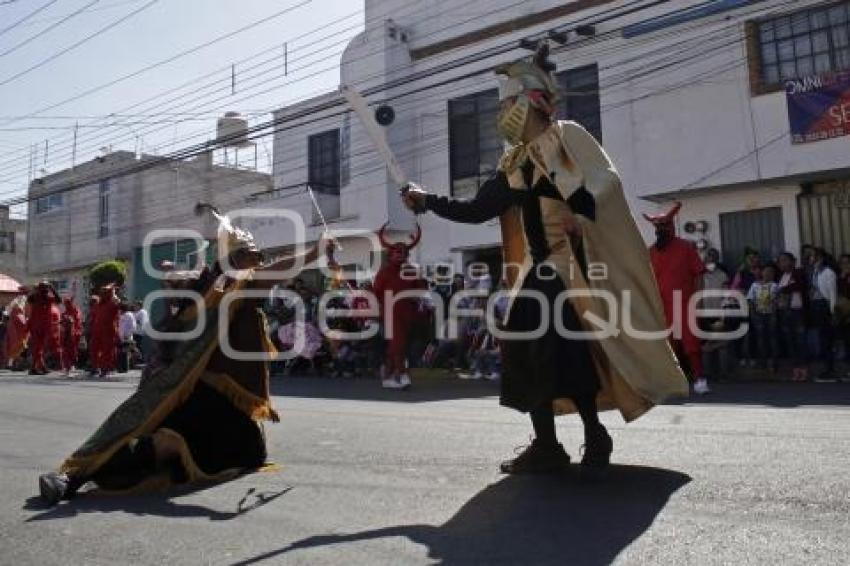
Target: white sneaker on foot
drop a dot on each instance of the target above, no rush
(701, 386)
(404, 379)
(494, 376)
(477, 375)
(391, 383)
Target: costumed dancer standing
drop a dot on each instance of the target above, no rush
(678, 270)
(72, 332)
(103, 346)
(43, 325)
(196, 415)
(397, 314)
(16, 329)
(561, 205)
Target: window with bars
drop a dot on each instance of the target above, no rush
(580, 98)
(475, 146)
(809, 42)
(7, 242)
(323, 158)
(103, 209)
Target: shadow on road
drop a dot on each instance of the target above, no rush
(435, 387)
(157, 504)
(777, 394)
(534, 520)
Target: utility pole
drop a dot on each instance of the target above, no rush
(74, 149)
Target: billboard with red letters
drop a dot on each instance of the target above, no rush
(819, 107)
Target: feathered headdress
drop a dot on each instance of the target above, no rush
(230, 238)
(533, 77)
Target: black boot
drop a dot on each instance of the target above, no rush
(597, 449)
(538, 458)
(54, 487)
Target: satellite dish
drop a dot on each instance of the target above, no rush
(384, 115)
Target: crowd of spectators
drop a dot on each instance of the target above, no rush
(799, 315)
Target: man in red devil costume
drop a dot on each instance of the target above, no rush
(678, 267)
(72, 330)
(104, 331)
(400, 314)
(43, 325)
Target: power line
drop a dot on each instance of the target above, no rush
(76, 44)
(48, 29)
(111, 6)
(415, 149)
(190, 82)
(223, 88)
(28, 16)
(265, 78)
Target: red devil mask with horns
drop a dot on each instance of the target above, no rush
(665, 226)
(398, 252)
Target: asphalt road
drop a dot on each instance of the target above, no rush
(755, 474)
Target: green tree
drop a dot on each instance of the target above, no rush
(106, 272)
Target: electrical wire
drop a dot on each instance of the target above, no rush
(28, 16)
(77, 43)
(48, 29)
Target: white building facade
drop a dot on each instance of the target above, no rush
(688, 98)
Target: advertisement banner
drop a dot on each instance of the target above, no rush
(819, 107)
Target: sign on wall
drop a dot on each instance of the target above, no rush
(819, 107)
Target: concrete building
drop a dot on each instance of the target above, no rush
(688, 98)
(13, 246)
(97, 211)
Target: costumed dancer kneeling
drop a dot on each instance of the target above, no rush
(195, 416)
(561, 204)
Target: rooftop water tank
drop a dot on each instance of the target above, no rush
(232, 130)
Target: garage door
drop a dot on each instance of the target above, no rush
(760, 229)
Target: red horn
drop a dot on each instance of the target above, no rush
(415, 239)
(382, 239)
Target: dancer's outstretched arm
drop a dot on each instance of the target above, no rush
(310, 255)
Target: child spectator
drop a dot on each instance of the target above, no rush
(485, 356)
(763, 297)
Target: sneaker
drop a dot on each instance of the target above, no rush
(391, 383)
(538, 458)
(52, 487)
(476, 375)
(701, 386)
(404, 379)
(495, 376)
(598, 447)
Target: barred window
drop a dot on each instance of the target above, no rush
(580, 98)
(474, 143)
(808, 42)
(323, 157)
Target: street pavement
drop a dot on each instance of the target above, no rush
(753, 474)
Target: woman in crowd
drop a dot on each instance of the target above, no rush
(790, 309)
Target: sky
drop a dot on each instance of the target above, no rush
(35, 74)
